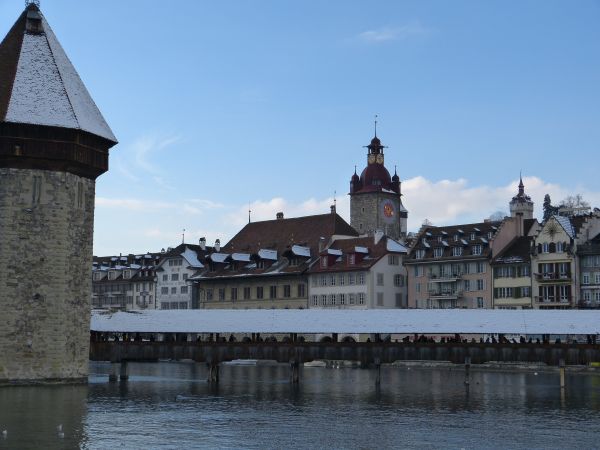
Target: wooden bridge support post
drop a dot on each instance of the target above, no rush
(213, 372)
(124, 371)
(561, 365)
(295, 371)
(112, 375)
(378, 372)
(467, 370)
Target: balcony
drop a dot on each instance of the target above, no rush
(553, 300)
(445, 295)
(444, 278)
(552, 277)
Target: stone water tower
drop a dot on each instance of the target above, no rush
(54, 143)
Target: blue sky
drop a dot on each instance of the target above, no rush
(220, 104)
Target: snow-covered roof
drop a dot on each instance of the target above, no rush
(192, 258)
(394, 246)
(359, 249)
(333, 251)
(219, 257)
(267, 254)
(398, 321)
(566, 224)
(299, 250)
(240, 257)
(47, 89)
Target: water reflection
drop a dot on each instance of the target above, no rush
(170, 405)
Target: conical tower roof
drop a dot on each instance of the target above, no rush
(38, 83)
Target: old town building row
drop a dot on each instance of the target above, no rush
(321, 261)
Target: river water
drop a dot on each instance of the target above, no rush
(171, 406)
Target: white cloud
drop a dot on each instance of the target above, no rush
(402, 32)
(134, 225)
(145, 146)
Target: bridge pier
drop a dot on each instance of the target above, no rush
(112, 375)
(378, 372)
(561, 365)
(467, 371)
(124, 371)
(213, 372)
(294, 371)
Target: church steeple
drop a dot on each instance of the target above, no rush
(521, 204)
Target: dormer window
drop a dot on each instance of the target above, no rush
(476, 250)
(456, 238)
(294, 262)
(438, 252)
(472, 236)
(127, 274)
(260, 264)
(490, 235)
(424, 240)
(457, 251)
(112, 275)
(439, 239)
(420, 254)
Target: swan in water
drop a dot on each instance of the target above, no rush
(4, 433)
(59, 428)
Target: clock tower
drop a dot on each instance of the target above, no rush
(376, 198)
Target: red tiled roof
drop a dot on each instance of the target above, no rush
(347, 246)
(281, 234)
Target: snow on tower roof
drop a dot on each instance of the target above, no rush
(38, 83)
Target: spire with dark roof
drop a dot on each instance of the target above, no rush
(38, 83)
(48, 119)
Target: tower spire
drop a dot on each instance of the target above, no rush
(375, 125)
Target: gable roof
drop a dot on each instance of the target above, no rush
(518, 251)
(38, 83)
(282, 234)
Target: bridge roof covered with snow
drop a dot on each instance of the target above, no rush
(394, 321)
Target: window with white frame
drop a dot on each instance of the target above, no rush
(480, 303)
(480, 267)
(221, 294)
(476, 249)
(597, 277)
(350, 279)
(398, 280)
(438, 252)
(173, 290)
(174, 277)
(342, 279)
(457, 251)
(332, 280)
(585, 278)
(559, 247)
(420, 254)
(342, 299)
(417, 288)
(546, 247)
(351, 298)
(164, 291)
(480, 285)
(323, 300)
(361, 298)
(379, 279)
(165, 277)
(183, 290)
(323, 280)
(332, 299)
(587, 296)
(360, 278)
(456, 238)
(467, 285)
(315, 300)
(472, 236)
(597, 296)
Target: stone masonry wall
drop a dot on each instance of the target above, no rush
(365, 211)
(46, 231)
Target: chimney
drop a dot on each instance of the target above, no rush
(203, 243)
(378, 235)
(321, 244)
(332, 209)
(218, 245)
(279, 216)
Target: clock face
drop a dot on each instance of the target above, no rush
(371, 158)
(380, 158)
(388, 211)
